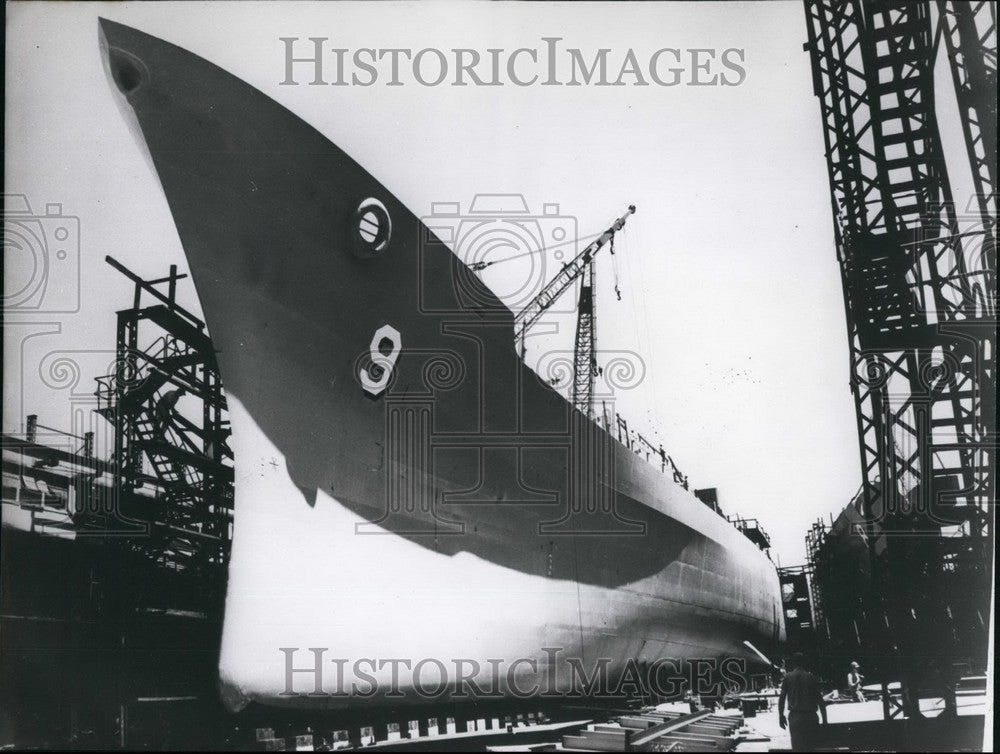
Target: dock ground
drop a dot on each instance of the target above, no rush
(859, 726)
(851, 727)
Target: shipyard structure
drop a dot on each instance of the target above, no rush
(350, 459)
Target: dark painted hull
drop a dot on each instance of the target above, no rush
(466, 511)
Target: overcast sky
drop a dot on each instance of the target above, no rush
(730, 286)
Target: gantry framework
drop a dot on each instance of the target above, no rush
(969, 29)
(919, 288)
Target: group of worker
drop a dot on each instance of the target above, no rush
(800, 693)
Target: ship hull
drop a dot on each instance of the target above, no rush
(370, 600)
(408, 492)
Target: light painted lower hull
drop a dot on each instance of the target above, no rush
(304, 578)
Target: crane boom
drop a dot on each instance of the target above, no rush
(529, 315)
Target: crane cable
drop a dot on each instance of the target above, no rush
(614, 268)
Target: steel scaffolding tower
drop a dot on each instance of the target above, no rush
(163, 355)
(920, 307)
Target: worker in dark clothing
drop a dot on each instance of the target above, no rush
(165, 408)
(800, 689)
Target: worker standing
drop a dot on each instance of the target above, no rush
(854, 679)
(800, 689)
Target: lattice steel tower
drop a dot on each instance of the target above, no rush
(584, 356)
(918, 277)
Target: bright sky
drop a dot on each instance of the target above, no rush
(730, 287)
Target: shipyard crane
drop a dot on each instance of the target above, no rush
(583, 358)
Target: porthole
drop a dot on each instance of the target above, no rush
(371, 229)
